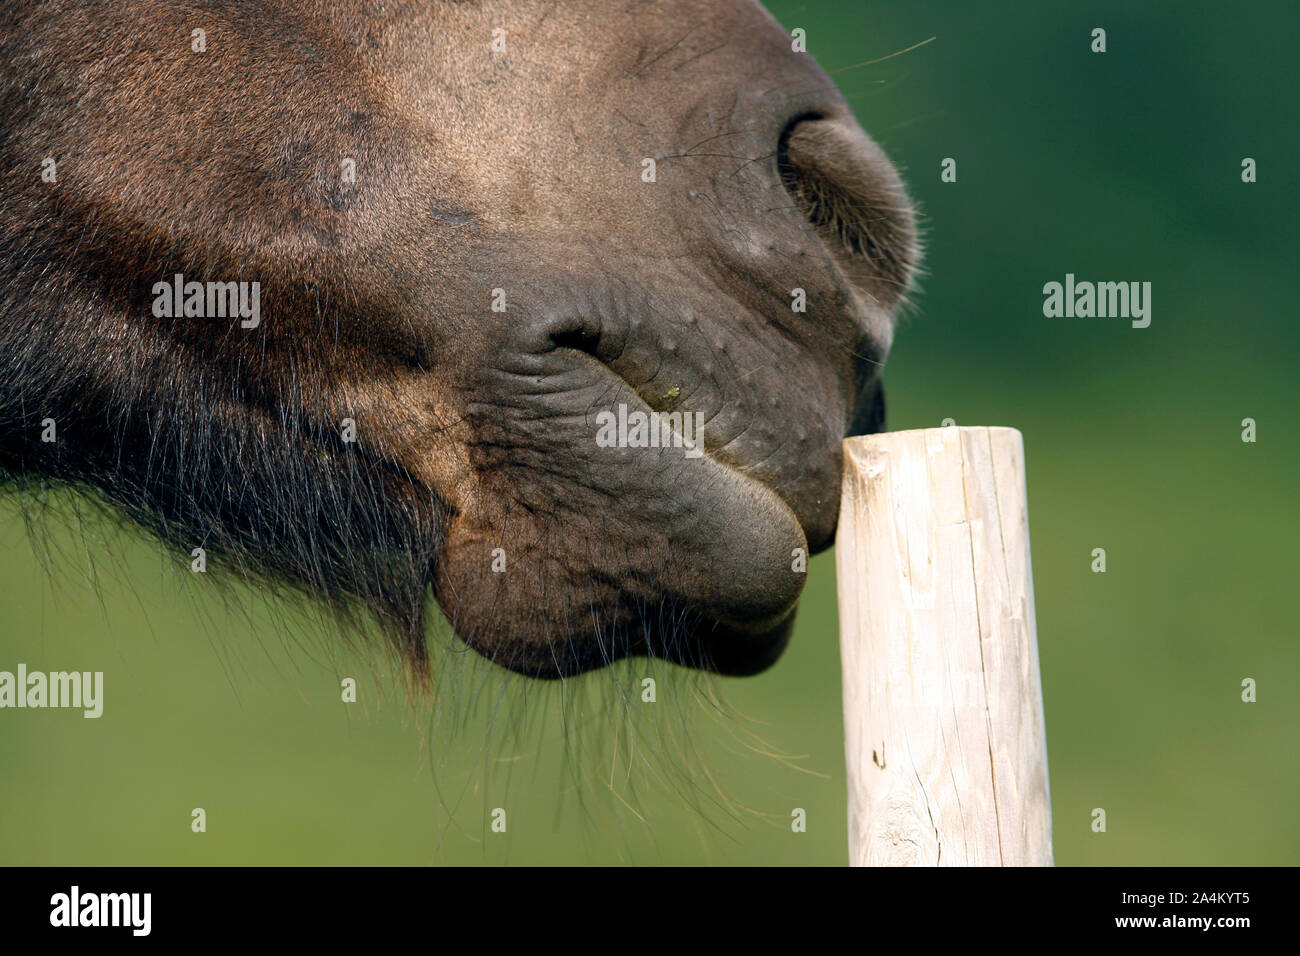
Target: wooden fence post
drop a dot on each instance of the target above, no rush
(943, 707)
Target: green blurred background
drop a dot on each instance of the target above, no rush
(1118, 166)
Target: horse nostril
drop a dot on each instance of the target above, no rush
(848, 189)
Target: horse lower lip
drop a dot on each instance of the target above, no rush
(738, 652)
(717, 542)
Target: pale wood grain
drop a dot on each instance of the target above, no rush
(943, 709)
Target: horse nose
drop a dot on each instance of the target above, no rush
(851, 194)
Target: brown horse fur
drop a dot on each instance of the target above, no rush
(501, 168)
